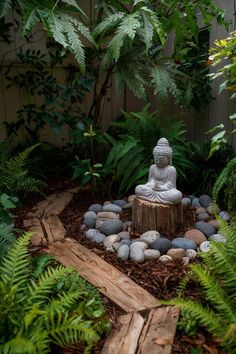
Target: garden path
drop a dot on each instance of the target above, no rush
(147, 327)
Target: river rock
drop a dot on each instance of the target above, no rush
(124, 235)
(205, 200)
(107, 202)
(120, 202)
(205, 246)
(125, 242)
(215, 223)
(99, 238)
(137, 254)
(185, 261)
(195, 203)
(217, 238)
(111, 226)
(123, 252)
(205, 227)
(186, 201)
(128, 206)
(162, 244)
(203, 216)
(139, 244)
(127, 226)
(99, 223)
(213, 209)
(195, 235)
(90, 214)
(191, 254)
(224, 215)
(91, 233)
(90, 222)
(165, 259)
(131, 198)
(108, 215)
(151, 254)
(182, 242)
(200, 210)
(95, 207)
(150, 236)
(112, 208)
(116, 246)
(176, 253)
(109, 240)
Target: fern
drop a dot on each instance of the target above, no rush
(217, 278)
(7, 237)
(5, 6)
(226, 182)
(34, 314)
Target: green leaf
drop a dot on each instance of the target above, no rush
(5, 6)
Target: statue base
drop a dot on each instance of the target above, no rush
(164, 218)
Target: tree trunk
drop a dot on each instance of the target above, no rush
(165, 218)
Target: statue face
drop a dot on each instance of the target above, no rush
(162, 161)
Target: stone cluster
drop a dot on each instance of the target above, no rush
(104, 226)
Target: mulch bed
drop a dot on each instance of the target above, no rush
(161, 280)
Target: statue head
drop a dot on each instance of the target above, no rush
(162, 153)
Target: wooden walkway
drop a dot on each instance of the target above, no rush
(147, 327)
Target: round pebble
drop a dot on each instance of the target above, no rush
(195, 235)
(127, 225)
(205, 200)
(186, 201)
(90, 222)
(125, 242)
(99, 223)
(116, 246)
(95, 207)
(182, 242)
(213, 209)
(162, 245)
(185, 261)
(99, 238)
(200, 210)
(107, 202)
(128, 206)
(123, 252)
(140, 244)
(151, 254)
(108, 215)
(205, 227)
(191, 254)
(215, 223)
(224, 215)
(150, 236)
(205, 246)
(112, 208)
(195, 203)
(90, 214)
(137, 254)
(111, 226)
(120, 202)
(109, 240)
(124, 235)
(131, 198)
(91, 233)
(165, 259)
(217, 238)
(203, 216)
(176, 253)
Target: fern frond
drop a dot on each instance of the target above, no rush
(75, 43)
(74, 4)
(39, 263)
(108, 23)
(29, 19)
(7, 237)
(5, 6)
(18, 345)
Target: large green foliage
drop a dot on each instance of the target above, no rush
(131, 154)
(217, 278)
(34, 314)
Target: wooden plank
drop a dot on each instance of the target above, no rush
(34, 225)
(159, 331)
(57, 205)
(124, 337)
(112, 283)
(54, 228)
(38, 209)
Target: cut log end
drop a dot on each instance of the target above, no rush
(164, 218)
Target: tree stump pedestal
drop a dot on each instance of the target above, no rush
(164, 218)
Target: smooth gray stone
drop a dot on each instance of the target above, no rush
(162, 245)
(91, 233)
(205, 200)
(124, 235)
(95, 207)
(140, 244)
(111, 226)
(150, 236)
(90, 214)
(99, 238)
(151, 254)
(182, 242)
(128, 206)
(120, 202)
(127, 225)
(205, 246)
(125, 242)
(137, 254)
(191, 196)
(186, 201)
(116, 246)
(224, 215)
(203, 216)
(90, 222)
(112, 207)
(195, 202)
(217, 238)
(110, 240)
(123, 252)
(205, 228)
(99, 223)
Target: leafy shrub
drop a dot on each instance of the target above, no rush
(131, 155)
(217, 278)
(34, 314)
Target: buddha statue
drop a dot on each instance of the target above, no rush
(161, 185)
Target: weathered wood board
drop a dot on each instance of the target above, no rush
(111, 282)
(159, 331)
(57, 205)
(54, 228)
(34, 225)
(165, 218)
(124, 337)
